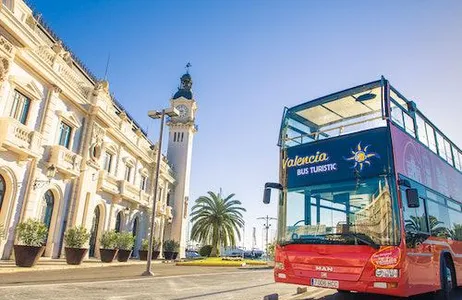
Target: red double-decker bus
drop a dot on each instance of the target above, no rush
(370, 196)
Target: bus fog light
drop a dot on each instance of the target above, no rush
(282, 276)
(279, 265)
(387, 273)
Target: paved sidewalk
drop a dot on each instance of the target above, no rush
(49, 264)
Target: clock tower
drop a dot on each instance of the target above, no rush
(180, 142)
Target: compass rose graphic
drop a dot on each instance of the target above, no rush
(361, 157)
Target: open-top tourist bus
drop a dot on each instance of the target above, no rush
(370, 196)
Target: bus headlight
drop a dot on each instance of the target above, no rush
(387, 273)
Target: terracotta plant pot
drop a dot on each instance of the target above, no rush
(175, 255)
(27, 256)
(155, 254)
(107, 255)
(143, 254)
(123, 255)
(168, 255)
(74, 256)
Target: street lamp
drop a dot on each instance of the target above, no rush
(154, 114)
(51, 172)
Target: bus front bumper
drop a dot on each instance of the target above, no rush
(392, 287)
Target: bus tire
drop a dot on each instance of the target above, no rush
(448, 277)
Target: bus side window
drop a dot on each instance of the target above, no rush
(415, 219)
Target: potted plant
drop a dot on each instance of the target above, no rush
(143, 252)
(125, 242)
(155, 248)
(170, 247)
(75, 238)
(31, 235)
(108, 246)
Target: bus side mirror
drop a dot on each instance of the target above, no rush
(267, 196)
(267, 191)
(412, 198)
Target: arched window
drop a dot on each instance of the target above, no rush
(118, 224)
(2, 190)
(48, 202)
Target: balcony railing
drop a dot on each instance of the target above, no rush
(66, 161)
(160, 209)
(18, 138)
(108, 183)
(129, 191)
(168, 212)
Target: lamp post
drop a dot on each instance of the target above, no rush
(267, 225)
(154, 114)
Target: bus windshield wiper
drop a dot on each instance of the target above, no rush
(358, 236)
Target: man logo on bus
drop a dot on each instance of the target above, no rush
(361, 157)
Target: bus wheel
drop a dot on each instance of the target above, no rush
(448, 278)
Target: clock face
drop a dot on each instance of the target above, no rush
(182, 111)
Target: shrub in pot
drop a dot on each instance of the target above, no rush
(143, 252)
(125, 242)
(108, 246)
(170, 248)
(155, 249)
(31, 235)
(75, 239)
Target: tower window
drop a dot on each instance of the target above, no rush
(174, 137)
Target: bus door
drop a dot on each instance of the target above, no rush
(419, 254)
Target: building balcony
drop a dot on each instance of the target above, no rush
(168, 212)
(160, 209)
(145, 198)
(107, 183)
(129, 191)
(66, 161)
(18, 138)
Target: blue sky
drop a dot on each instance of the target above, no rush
(252, 58)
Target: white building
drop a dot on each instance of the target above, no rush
(70, 154)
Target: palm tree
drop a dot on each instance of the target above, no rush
(417, 224)
(456, 232)
(217, 221)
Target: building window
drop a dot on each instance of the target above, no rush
(174, 137)
(108, 162)
(20, 108)
(168, 199)
(128, 172)
(65, 135)
(143, 182)
(2, 191)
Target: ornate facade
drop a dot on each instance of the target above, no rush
(70, 154)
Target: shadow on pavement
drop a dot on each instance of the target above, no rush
(357, 296)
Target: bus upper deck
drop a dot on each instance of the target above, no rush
(359, 108)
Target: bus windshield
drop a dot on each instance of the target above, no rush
(354, 212)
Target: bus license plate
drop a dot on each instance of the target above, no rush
(331, 284)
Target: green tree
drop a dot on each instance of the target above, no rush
(217, 221)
